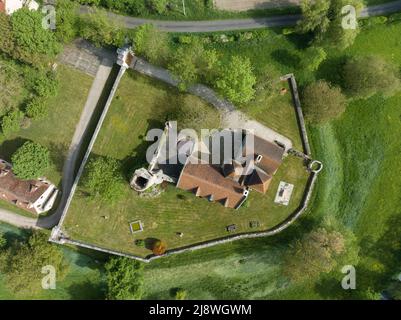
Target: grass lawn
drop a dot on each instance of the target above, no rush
(141, 104)
(56, 130)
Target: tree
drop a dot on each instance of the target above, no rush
(99, 29)
(124, 278)
(324, 19)
(314, 16)
(151, 43)
(11, 122)
(313, 57)
(45, 84)
(323, 102)
(24, 260)
(314, 254)
(365, 76)
(103, 178)
(36, 108)
(192, 63)
(66, 20)
(237, 80)
(159, 248)
(337, 36)
(33, 43)
(157, 6)
(30, 161)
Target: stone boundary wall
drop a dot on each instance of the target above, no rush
(298, 109)
(56, 232)
(58, 237)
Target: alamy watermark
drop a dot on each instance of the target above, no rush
(349, 20)
(49, 10)
(49, 280)
(349, 280)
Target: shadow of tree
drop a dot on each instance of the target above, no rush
(8, 147)
(87, 290)
(286, 58)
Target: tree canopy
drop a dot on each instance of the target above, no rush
(324, 19)
(365, 76)
(237, 80)
(30, 161)
(124, 279)
(323, 102)
(103, 178)
(32, 43)
(22, 263)
(151, 43)
(314, 254)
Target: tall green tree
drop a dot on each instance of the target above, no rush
(325, 19)
(103, 178)
(124, 279)
(237, 80)
(365, 76)
(33, 43)
(22, 264)
(323, 102)
(66, 20)
(98, 28)
(30, 161)
(314, 254)
(314, 16)
(151, 43)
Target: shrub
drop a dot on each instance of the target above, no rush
(180, 294)
(11, 122)
(140, 243)
(159, 248)
(323, 102)
(36, 108)
(157, 6)
(151, 43)
(46, 84)
(103, 178)
(124, 278)
(30, 161)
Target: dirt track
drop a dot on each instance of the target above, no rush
(242, 5)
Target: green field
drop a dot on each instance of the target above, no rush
(56, 130)
(141, 104)
(359, 187)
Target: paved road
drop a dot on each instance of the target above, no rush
(236, 24)
(48, 222)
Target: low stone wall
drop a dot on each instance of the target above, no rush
(298, 109)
